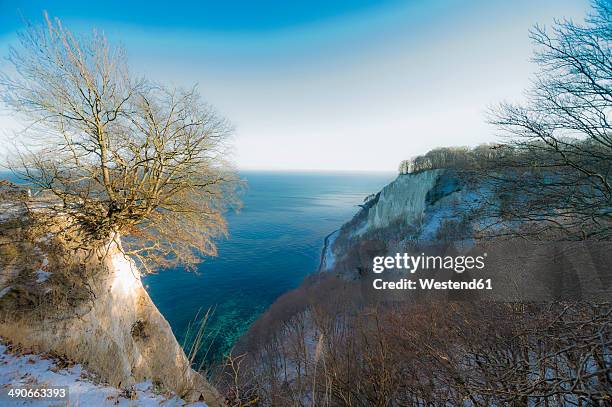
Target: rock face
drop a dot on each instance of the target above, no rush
(412, 207)
(116, 331)
(403, 198)
(439, 213)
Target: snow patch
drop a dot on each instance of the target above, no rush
(44, 238)
(10, 210)
(5, 290)
(42, 274)
(38, 371)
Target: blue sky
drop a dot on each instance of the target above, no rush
(225, 16)
(338, 85)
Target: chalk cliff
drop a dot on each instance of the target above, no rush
(92, 308)
(446, 212)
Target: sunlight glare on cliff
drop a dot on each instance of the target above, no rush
(126, 277)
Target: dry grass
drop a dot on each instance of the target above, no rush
(26, 248)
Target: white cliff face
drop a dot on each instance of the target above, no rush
(118, 333)
(399, 211)
(404, 198)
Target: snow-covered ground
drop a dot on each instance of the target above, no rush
(9, 210)
(39, 371)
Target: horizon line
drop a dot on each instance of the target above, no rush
(350, 170)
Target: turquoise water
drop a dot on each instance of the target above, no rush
(274, 242)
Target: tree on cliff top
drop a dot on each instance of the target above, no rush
(558, 177)
(116, 154)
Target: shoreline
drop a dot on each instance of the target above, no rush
(324, 250)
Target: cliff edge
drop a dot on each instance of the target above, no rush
(90, 306)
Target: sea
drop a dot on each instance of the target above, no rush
(274, 241)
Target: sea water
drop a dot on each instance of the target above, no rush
(274, 241)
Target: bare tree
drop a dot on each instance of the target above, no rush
(456, 158)
(117, 155)
(435, 354)
(558, 178)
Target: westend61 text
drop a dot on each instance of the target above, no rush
(431, 284)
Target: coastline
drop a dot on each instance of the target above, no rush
(326, 245)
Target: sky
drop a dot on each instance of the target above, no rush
(324, 85)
